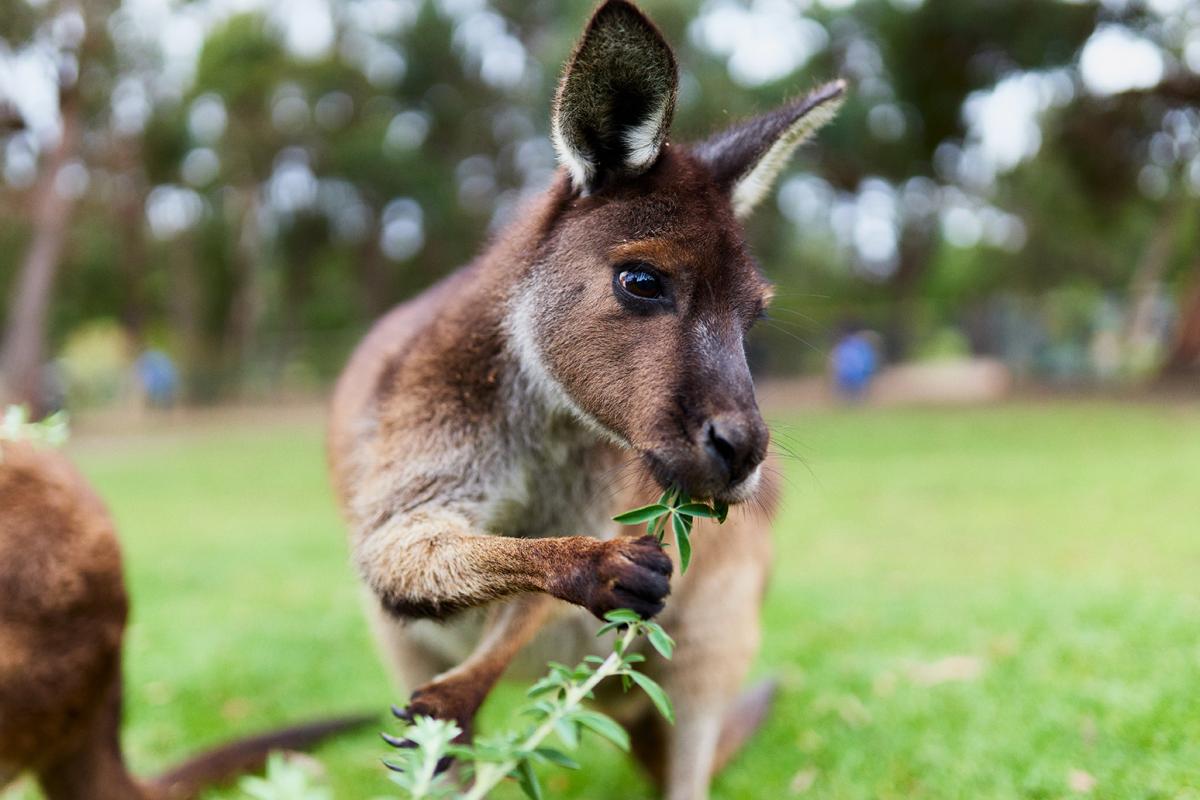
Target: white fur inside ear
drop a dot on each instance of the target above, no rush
(755, 185)
(645, 139)
(579, 166)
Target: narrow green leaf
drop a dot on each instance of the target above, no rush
(604, 726)
(697, 510)
(608, 626)
(661, 642)
(643, 514)
(722, 510)
(543, 686)
(528, 780)
(658, 529)
(623, 616)
(684, 542)
(567, 731)
(539, 710)
(556, 757)
(656, 695)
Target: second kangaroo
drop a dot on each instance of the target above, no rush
(479, 433)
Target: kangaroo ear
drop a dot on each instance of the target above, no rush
(615, 99)
(747, 158)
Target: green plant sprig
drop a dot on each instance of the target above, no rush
(676, 509)
(285, 779)
(556, 700)
(15, 426)
(556, 707)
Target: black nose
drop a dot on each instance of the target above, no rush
(737, 444)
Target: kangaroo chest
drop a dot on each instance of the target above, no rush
(555, 480)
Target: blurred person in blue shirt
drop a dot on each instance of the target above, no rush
(159, 378)
(854, 362)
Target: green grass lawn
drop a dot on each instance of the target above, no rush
(966, 604)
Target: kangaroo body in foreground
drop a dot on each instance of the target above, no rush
(485, 432)
(63, 608)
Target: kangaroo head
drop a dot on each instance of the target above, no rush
(637, 303)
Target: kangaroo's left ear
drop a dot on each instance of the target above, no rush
(747, 158)
(616, 98)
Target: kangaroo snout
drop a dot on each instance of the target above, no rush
(736, 445)
(718, 459)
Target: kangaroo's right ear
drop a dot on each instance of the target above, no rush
(616, 98)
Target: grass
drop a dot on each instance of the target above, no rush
(971, 603)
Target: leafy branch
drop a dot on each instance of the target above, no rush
(286, 778)
(556, 708)
(675, 509)
(555, 703)
(15, 426)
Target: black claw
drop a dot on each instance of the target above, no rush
(401, 714)
(396, 741)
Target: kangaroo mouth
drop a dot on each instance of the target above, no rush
(699, 481)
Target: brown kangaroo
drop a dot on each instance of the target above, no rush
(593, 350)
(62, 617)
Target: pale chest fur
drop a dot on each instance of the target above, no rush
(553, 478)
(530, 470)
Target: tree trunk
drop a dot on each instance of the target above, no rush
(246, 308)
(1139, 337)
(916, 247)
(376, 289)
(1184, 358)
(184, 309)
(24, 347)
(131, 222)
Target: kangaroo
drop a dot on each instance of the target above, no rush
(484, 432)
(63, 608)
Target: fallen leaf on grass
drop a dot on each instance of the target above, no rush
(1004, 646)
(810, 741)
(236, 709)
(803, 780)
(885, 684)
(1087, 731)
(848, 707)
(1080, 781)
(158, 693)
(946, 670)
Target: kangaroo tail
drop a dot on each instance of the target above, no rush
(245, 755)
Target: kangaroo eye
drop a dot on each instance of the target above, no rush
(640, 283)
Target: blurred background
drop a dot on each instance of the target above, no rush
(210, 201)
(204, 204)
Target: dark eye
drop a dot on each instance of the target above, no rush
(641, 283)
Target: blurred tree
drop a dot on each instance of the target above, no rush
(75, 49)
(253, 211)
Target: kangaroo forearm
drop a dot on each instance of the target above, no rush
(458, 693)
(435, 568)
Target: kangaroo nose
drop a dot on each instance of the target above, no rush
(737, 445)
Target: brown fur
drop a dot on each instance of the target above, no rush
(481, 437)
(62, 620)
